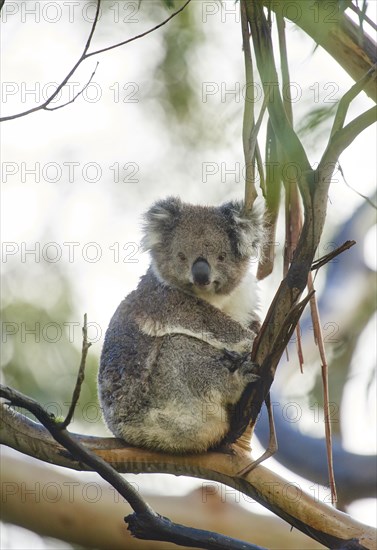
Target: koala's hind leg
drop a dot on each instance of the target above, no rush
(194, 386)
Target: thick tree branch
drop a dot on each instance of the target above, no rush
(300, 510)
(144, 522)
(294, 221)
(77, 450)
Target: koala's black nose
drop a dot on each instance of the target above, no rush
(201, 272)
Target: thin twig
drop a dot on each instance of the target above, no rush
(272, 443)
(255, 131)
(141, 35)
(95, 21)
(85, 55)
(347, 98)
(365, 197)
(65, 80)
(326, 259)
(80, 376)
(46, 108)
(325, 383)
(343, 138)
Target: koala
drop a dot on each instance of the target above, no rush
(176, 355)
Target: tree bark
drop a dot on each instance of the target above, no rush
(287, 500)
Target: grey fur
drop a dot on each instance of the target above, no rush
(174, 360)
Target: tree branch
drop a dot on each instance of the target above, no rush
(85, 55)
(345, 101)
(329, 257)
(301, 511)
(77, 450)
(144, 522)
(344, 137)
(313, 185)
(328, 26)
(141, 35)
(81, 374)
(80, 92)
(318, 339)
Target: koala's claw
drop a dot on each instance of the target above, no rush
(233, 359)
(252, 377)
(242, 363)
(233, 355)
(248, 370)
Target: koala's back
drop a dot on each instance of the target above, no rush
(171, 389)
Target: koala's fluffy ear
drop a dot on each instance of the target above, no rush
(248, 229)
(159, 220)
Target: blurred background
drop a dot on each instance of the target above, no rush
(163, 116)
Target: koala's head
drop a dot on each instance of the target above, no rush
(202, 250)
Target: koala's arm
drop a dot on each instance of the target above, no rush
(160, 310)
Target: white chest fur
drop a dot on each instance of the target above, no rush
(242, 304)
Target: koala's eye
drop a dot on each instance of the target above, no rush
(221, 257)
(181, 256)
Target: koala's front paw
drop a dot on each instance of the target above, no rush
(242, 364)
(248, 370)
(233, 357)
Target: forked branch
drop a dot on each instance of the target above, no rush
(85, 55)
(313, 185)
(302, 511)
(145, 523)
